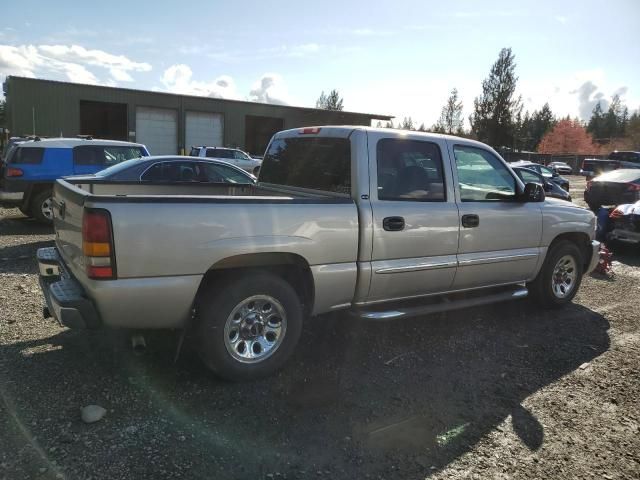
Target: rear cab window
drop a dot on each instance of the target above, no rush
(105, 155)
(315, 163)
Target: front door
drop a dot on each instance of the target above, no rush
(499, 235)
(415, 218)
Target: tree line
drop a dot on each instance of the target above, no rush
(498, 119)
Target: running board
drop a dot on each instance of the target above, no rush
(444, 305)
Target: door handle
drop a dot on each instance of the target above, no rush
(470, 221)
(393, 224)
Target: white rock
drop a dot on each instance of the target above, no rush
(92, 413)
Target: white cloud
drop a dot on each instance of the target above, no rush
(270, 89)
(68, 61)
(179, 79)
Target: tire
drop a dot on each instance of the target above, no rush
(40, 204)
(256, 171)
(227, 338)
(563, 259)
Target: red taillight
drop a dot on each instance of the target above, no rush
(633, 187)
(616, 213)
(97, 244)
(310, 130)
(14, 172)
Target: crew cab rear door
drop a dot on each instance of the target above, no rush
(415, 216)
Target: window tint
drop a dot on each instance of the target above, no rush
(104, 156)
(318, 163)
(482, 176)
(529, 177)
(174, 172)
(410, 170)
(27, 156)
(219, 153)
(222, 174)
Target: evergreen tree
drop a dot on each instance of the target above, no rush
(451, 115)
(333, 101)
(407, 124)
(495, 110)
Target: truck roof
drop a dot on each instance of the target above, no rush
(74, 142)
(346, 129)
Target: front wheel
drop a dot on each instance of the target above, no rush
(42, 207)
(250, 327)
(560, 276)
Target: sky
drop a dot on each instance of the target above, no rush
(399, 58)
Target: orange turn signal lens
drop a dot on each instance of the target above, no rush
(96, 249)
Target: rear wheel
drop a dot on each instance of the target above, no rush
(560, 276)
(42, 207)
(250, 327)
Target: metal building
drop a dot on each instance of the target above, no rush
(166, 123)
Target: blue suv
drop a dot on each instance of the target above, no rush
(30, 168)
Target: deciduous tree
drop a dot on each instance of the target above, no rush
(568, 136)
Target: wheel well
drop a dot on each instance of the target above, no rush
(291, 267)
(34, 190)
(581, 240)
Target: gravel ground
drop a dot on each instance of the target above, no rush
(505, 391)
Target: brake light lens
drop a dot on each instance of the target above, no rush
(97, 244)
(310, 130)
(616, 213)
(633, 187)
(14, 172)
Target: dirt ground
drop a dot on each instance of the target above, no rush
(506, 391)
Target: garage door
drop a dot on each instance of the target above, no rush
(204, 129)
(157, 128)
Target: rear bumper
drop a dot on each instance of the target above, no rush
(595, 256)
(63, 294)
(625, 236)
(11, 199)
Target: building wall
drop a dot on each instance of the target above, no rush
(56, 108)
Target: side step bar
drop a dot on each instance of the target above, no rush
(444, 305)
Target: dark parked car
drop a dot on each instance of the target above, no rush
(173, 169)
(550, 189)
(613, 188)
(592, 167)
(546, 172)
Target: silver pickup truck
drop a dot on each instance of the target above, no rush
(383, 223)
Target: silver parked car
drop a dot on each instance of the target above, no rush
(232, 155)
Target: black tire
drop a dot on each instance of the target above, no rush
(214, 307)
(37, 206)
(542, 290)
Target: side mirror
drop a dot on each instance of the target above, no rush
(533, 192)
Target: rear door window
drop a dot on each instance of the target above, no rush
(104, 156)
(222, 174)
(410, 170)
(316, 163)
(219, 153)
(27, 156)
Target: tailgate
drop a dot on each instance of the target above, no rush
(68, 205)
